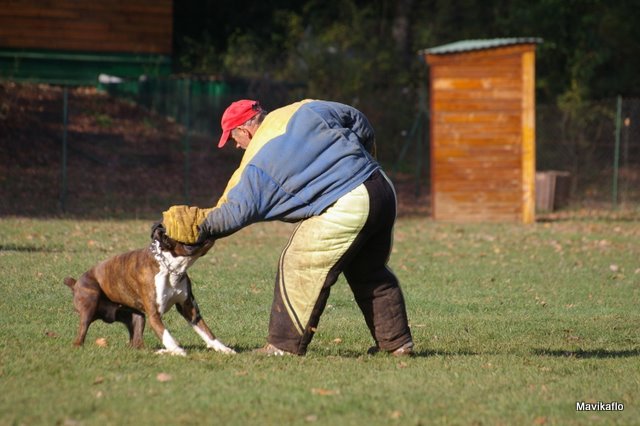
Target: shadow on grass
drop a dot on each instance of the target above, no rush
(345, 353)
(432, 353)
(30, 248)
(245, 350)
(588, 354)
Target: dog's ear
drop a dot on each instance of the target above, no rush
(159, 233)
(157, 228)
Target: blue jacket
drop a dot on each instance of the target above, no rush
(302, 159)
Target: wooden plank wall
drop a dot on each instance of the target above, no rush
(480, 164)
(123, 26)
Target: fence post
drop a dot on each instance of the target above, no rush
(616, 154)
(625, 158)
(186, 142)
(65, 114)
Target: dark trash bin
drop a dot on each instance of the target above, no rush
(552, 190)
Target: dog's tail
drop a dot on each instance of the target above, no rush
(70, 282)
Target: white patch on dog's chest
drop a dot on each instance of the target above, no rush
(171, 281)
(170, 289)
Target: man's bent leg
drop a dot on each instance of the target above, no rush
(381, 301)
(309, 266)
(374, 285)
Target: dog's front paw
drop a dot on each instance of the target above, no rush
(218, 346)
(177, 351)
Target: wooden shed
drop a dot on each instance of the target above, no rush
(482, 133)
(71, 41)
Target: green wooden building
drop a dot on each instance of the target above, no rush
(73, 41)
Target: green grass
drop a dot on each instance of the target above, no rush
(513, 325)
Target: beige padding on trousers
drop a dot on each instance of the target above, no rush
(315, 247)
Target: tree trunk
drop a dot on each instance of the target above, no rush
(401, 30)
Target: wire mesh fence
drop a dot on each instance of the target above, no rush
(120, 158)
(598, 144)
(138, 149)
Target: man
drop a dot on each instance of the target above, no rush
(312, 161)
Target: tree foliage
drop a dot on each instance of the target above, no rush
(341, 47)
(366, 52)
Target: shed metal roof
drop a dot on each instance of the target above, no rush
(479, 44)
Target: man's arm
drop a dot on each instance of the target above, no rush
(250, 201)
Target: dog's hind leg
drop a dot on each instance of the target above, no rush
(134, 322)
(190, 311)
(79, 304)
(86, 318)
(138, 322)
(86, 296)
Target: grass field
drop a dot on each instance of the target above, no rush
(513, 325)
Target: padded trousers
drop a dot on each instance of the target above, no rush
(353, 236)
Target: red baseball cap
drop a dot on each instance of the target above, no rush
(236, 114)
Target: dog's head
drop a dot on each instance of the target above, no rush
(176, 248)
